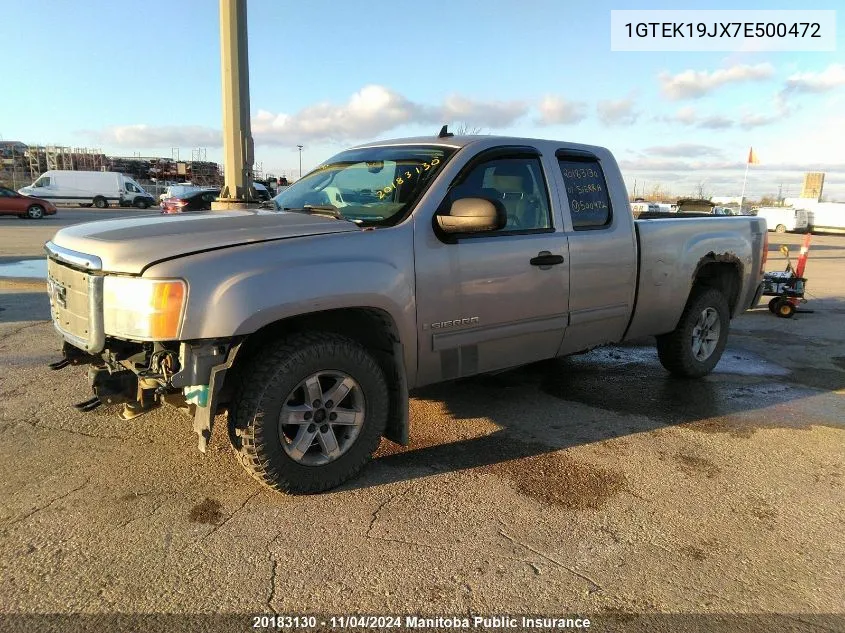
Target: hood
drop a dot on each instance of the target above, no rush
(130, 245)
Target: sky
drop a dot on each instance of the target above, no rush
(327, 74)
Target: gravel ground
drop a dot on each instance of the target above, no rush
(590, 485)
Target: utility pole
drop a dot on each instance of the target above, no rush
(300, 160)
(237, 135)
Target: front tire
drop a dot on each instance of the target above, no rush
(141, 204)
(695, 346)
(35, 212)
(309, 412)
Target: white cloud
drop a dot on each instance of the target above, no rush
(831, 77)
(692, 84)
(558, 111)
(619, 112)
(148, 136)
(480, 113)
(689, 116)
(370, 112)
(684, 150)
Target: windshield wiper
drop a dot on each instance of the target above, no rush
(318, 209)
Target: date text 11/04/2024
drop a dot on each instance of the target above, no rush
(277, 622)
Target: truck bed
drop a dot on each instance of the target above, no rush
(671, 250)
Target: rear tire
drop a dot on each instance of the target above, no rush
(100, 202)
(780, 228)
(35, 212)
(287, 430)
(695, 346)
(785, 309)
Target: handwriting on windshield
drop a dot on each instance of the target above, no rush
(406, 176)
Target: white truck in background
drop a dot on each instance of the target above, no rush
(823, 217)
(87, 188)
(783, 219)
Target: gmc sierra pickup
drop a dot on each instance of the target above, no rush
(391, 266)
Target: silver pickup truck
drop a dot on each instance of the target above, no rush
(391, 266)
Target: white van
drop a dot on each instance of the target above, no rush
(85, 188)
(783, 219)
(824, 217)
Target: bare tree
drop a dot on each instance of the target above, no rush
(465, 129)
(656, 194)
(700, 192)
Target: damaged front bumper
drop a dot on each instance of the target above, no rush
(142, 376)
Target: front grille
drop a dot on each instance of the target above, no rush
(76, 300)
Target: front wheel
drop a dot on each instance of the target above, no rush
(309, 413)
(35, 212)
(696, 345)
(141, 203)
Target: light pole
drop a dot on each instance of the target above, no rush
(237, 135)
(300, 160)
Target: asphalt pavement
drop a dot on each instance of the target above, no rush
(591, 485)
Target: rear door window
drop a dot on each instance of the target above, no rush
(586, 191)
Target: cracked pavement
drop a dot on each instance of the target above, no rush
(591, 485)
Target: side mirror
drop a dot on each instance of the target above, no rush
(473, 215)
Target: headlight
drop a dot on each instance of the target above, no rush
(143, 309)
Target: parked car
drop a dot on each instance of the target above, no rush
(86, 188)
(199, 200)
(783, 219)
(14, 203)
(261, 191)
(176, 191)
(395, 265)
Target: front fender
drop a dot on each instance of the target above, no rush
(237, 291)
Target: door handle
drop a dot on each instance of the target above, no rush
(545, 258)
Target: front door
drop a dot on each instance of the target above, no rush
(497, 299)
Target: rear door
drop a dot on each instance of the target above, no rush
(602, 247)
(497, 299)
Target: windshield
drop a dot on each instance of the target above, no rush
(374, 185)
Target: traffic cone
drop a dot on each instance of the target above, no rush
(802, 258)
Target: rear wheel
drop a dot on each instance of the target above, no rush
(780, 228)
(35, 212)
(310, 411)
(696, 345)
(785, 309)
(100, 202)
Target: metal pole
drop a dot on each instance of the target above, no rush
(237, 135)
(300, 160)
(744, 180)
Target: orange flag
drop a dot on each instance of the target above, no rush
(752, 157)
